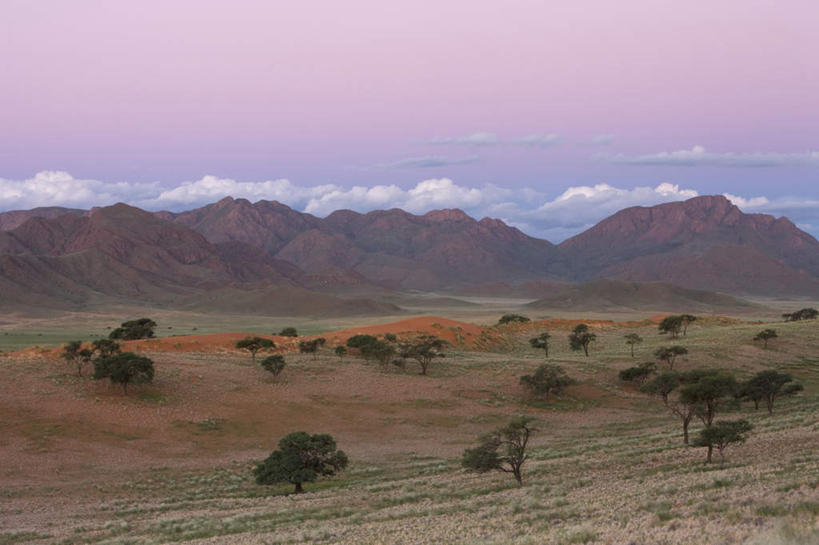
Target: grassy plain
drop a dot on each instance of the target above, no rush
(171, 462)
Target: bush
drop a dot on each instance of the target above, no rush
(547, 379)
(134, 329)
(124, 368)
(638, 374)
(274, 364)
(512, 318)
(289, 332)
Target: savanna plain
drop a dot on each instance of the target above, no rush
(172, 461)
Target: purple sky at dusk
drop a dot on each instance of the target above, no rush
(715, 97)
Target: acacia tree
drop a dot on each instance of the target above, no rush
(663, 385)
(547, 379)
(671, 325)
(512, 318)
(142, 328)
(289, 332)
(274, 364)
(638, 374)
(124, 368)
(708, 393)
(103, 348)
(340, 351)
(541, 342)
(75, 354)
(301, 458)
(510, 440)
(769, 385)
(685, 321)
(721, 435)
(255, 344)
(631, 340)
(669, 354)
(765, 335)
(426, 348)
(580, 338)
(311, 346)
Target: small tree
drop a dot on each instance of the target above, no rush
(510, 440)
(360, 340)
(721, 435)
(426, 348)
(124, 368)
(289, 332)
(541, 342)
(274, 364)
(708, 393)
(512, 318)
(103, 348)
(638, 374)
(766, 335)
(340, 351)
(142, 328)
(301, 458)
(310, 347)
(669, 354)
(379, 350)
(580, 338)
(633, 339)
(804, 314)
(671, 325)
(685, 321)
(769, 385)
(547, 379)
(75, 354)
(254, 345)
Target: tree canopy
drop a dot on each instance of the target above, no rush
(669, 354)
(766, 335)
(580, 338)
(254, 345)
(143, 328)
(671, 325)
(512, 318)
(768, 385)
(721, 435)
(301, 458)
(547, 379)
(501, 450)
(633, 339)
(124, 368)
(274, 364)
(426, 348)
(541, 342)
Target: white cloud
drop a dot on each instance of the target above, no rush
(533, 211)
(601, 140)
(538, 140)
(698, 156)
(474, 139)
(430, 161)
(480, 139)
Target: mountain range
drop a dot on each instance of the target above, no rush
(267, 254)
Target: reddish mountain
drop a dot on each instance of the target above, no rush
(15, 218)
(705, 243)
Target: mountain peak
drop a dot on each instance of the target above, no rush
(447, 214)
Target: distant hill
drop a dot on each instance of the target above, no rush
(615, 294)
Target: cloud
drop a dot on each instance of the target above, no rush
(430, 161)
(474, 139)
(482, 139)
(698, 156)
(601, 140)
(535, 212)
(538, 140)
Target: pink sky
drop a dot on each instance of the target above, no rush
(320, 91)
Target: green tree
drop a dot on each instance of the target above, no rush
(124, 368)
(766, 335)
(105, 347)
(502, 450)
(547, 379)
(541, 342)
(669, 354)
(580, 338)
(274, 364)
(310, 347)
(254, 345)
(360, 340)
(512, 318)
(289, 332)
(301, 458)
(74, 354)
(671, 325)
(378, 350)
(426, 348)
(768, 386)
(685, 321)
(721, 435)
(633, 339)
(340, 351)
(804, 314)
(708, 393)
(638, 374)
(131, 330)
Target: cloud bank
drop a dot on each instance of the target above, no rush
(698, 156)
(533, 211)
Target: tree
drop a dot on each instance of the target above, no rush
(255, 344)
(547, 379)
(804, 314)
(340, 351)
(358, 341)
(301, 458)
(378, 349)
(669, 354)
(512, 318)
(708, 392)
(581, 338)
(426, 348)
(638, 374)
(124, 368)
(75, 354)
(765, 335)
(142, 328)
(311, 346)
(671, 325)
(663, 385)
(274, 364)
(289, 332)
(631, 340)
(685, 321)
(105, 347)
(721, 435)
(541, 342)
(769, 385)
(510, 440)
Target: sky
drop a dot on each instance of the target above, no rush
(548, 115)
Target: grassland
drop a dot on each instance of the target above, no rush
(171, 462)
